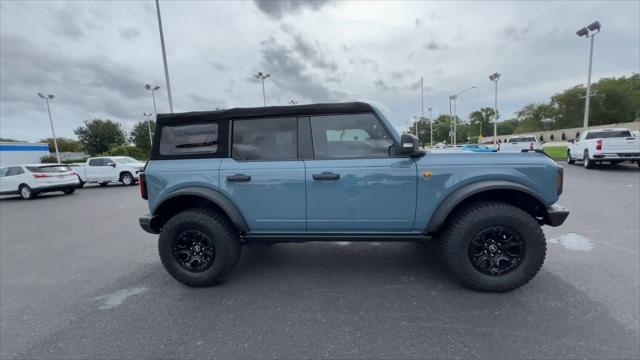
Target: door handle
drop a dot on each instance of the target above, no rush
(326, 176)
(239, 177)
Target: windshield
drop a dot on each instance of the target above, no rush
(126, 160)
(49, 169)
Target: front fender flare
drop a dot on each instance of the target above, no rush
(450, 202)
(215, 197)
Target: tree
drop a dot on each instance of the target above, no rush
(535, 117)
(98, 136)
(64, 144)
(481, 119)
(9, 140)
(139, 136)
(442, 129)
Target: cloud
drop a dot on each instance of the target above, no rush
(276, 9)
(129, 33)
(218, 66)
(517, 33)
(66, 22)
(432, 45)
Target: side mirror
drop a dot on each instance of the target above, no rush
(112, 164)
(409, 145)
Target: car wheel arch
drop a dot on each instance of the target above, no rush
(503, 191)
(190, 197)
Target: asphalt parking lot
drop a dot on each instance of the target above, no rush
(80, 279)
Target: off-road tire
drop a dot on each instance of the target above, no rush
(26, 192)
(570, 160)
(220, 231)
(588, 163)
(69, 191)
(467, 222)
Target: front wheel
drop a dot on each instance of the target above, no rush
(493, 246)
(570, 160)
(199, 247)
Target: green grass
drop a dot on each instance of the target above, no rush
(556, 152)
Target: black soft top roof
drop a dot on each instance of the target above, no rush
(268, 111)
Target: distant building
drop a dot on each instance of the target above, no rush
(22, 153)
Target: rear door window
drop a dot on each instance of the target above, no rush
(14, 170)
(97, 162)
(190, 139)
(265, 139)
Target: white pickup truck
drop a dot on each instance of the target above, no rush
(519, 143)
(613, 145)
(104, 170)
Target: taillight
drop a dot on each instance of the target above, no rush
(559, 180)
(599, 144)
(531, 146)
(142, 180)
(40, 176)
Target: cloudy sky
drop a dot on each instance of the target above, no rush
(96, 56)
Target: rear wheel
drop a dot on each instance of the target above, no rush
(26, 192)
(127, 179)
(569, 158)
(493, 246)
(588, 163)
(199, 247)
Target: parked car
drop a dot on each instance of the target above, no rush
(518, 143)
(326, 172)
(32, 179)
(478, 148)
(104, 170)
(614, 145)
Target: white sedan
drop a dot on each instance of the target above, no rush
(31, 180)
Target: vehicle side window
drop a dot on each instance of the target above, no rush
(106, 162)
(96, 162)
(14, 170)
(3, 172)
(189, 139)
(349, 136)
(265, 139)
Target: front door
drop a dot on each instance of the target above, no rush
(353, 183)
(265, 177)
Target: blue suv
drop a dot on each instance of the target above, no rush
(218, 180)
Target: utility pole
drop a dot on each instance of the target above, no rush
(431, 123)
(421, 106)
(55, 141)
(495, 77)
(164, 57)
(148, 118)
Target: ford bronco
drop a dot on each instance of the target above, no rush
(217, 180)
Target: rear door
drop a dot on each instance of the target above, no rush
(353, 183)
(265, 176)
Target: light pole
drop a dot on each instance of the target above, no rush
(55, 141)
(431, 123)
(421, 104)
(153, 89)
(262, 77)
(164, 58)
(494, 77)
(589, 32)
(454, 98)
(148, 117)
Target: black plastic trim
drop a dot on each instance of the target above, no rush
(215, 197)
(356, 237)
(556, 215)
(458, 196)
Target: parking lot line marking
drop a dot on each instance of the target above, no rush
(117, 298)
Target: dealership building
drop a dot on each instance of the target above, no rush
(22, 153)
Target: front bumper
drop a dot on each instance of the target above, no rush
(149, 223)
(556, 215)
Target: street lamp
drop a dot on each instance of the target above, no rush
(153, 89)
(55, 141)
(494, 77)
(454, 98)
(164, 58)
(148, 117)
(261, 77)
(589, 32)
